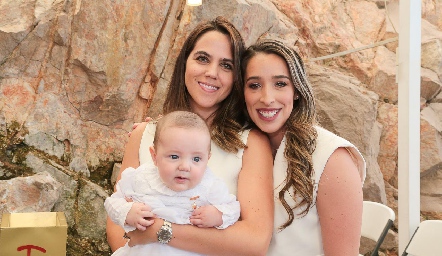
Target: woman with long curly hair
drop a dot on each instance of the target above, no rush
(318, 175)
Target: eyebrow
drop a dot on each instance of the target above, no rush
(258, 77)
(208, 55)
(281, 76)
(252, 78)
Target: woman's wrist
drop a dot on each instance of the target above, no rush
(164, 235)
(148, 236)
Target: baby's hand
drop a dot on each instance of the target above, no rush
(207, 217)
(138, 216)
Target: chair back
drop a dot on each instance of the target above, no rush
(375, 217)
(376, 221)
(427, 239)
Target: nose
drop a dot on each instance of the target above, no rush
(184, 166)
(267, 96)
(212, 70)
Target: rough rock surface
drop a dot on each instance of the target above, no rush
(75, 75)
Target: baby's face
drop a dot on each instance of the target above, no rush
(181, 156)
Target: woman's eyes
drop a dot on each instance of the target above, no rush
(224, 65)
(227, 66)
(254, 85)
(202, 58)
(280, 84)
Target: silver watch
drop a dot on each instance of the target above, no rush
(165, 232)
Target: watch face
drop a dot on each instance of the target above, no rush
(164, 235)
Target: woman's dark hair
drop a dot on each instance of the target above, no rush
(227, 120)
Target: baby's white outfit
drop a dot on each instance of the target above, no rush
(145, 185)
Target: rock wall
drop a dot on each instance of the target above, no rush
(75, 75)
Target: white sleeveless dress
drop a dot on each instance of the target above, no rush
(303, 236)
(223, 164)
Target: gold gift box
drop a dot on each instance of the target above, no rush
(33, 233)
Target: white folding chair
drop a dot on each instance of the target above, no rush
(426, 240)
(376, 221)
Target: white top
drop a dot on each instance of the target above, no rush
(145, 185)
(303, 236)
(224, 165)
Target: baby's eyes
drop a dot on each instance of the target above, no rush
(195, 159)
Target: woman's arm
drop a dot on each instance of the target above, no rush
(130, 159)
(339, 205)
(249, 236)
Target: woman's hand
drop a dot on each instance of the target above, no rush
(138, 237)
(148, 119)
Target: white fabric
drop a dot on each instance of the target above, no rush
(223, 164)
(145, 185)
(303, 236)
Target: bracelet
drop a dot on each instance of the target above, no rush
(125, 236)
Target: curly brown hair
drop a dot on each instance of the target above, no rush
(300, 129)
(227, 120)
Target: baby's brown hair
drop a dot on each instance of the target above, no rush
(181, 119)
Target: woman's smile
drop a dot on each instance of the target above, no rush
(208, 87)
(268, 114)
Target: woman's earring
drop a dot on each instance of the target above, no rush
(297, 97)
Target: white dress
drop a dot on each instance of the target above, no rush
(303, 236)
(145, 185)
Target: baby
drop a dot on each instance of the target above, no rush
(177, 183)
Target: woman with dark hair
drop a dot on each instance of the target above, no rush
(318, 175)
(207, 81)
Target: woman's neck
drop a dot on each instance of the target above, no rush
(204, 113)
(275, 140)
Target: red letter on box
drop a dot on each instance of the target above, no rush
(29, 247)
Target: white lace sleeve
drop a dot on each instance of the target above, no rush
(116, 205)
(225, 202)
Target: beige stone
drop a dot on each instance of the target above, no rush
(75, 76)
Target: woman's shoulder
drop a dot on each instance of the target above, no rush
(327, 138)
(257, 136)
(330, 146)
(258, 146)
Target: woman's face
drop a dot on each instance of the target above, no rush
(209, 72)
(269, 92)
